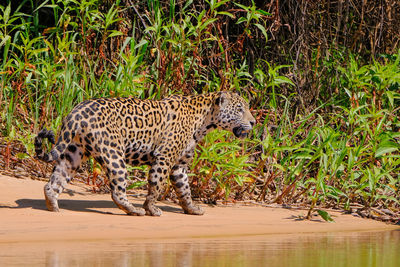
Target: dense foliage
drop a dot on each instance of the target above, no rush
(322, 79)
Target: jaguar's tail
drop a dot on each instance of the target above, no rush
(40, 154)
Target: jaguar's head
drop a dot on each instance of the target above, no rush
(233, 114)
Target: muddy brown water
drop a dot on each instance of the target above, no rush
(325, 249)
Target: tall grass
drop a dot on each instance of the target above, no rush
(344, 154)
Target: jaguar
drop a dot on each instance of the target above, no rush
(160, 133)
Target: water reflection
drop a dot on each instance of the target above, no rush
(333, 249)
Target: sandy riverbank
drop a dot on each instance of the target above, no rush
(87, 216)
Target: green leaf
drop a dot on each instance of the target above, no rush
(263, 12)
(141, 43)
(115, 33)
(241, 19)
(200, 16)
(386, 147)
(220, 3)
(262, 29)
(226, 14)
(206, 23)
(325, 215)
(136, 184)
(38, 51)
(6, 15)
(384, 150)
(389, 95)
(22, 156)
(4, 40)
(282, 80)
(242, 6)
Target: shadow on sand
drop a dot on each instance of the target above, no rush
(81, 205)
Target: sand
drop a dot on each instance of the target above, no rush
(87, 216)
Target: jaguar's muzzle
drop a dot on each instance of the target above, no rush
(241, 132)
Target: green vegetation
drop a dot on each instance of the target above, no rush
(328, 116)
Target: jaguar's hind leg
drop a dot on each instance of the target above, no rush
(180, 183)
(55, 186)
(68, 162)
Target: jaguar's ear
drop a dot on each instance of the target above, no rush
(221, 99)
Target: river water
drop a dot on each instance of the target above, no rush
(366, 249)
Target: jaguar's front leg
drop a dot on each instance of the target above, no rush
(180, 182)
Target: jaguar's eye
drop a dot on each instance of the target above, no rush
(241, 110)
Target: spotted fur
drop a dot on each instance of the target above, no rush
(120, 131)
